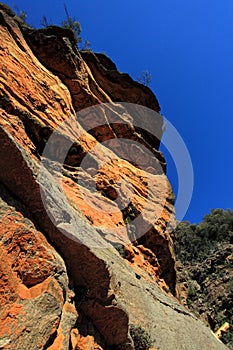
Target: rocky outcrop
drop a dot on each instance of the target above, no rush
(64, 284)
(206, 288)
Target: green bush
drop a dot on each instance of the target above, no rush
(205, 251)
(121, 250)
(192, 291)
(75, 26)
(72, 24)
(141, 338)
(229, 287)
(194, 243)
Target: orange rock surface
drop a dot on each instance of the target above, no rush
(62, 225)
(29, 281)
(80, 342)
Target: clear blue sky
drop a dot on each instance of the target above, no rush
(187, 46)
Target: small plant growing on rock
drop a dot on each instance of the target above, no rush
(75, 26)
(121, 250)
(72, 24)
(144, 78)
(21, 14)
(193, 290)
(141, 338)
(44, 22)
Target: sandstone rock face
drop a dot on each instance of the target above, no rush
(34, 292)
(63, 283)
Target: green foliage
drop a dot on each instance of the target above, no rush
(218, 225)
(129, 213)
(74, 25)
(121, 250)
(141, 338)
(229, 287)
(194, 243)
(226, 337)
(145, 78)
(192, 290)
(205, 251)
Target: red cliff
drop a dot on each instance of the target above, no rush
(74, 274)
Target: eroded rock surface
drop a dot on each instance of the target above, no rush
(63, 283)
(34, 288)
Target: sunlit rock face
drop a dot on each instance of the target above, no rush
(77, 268)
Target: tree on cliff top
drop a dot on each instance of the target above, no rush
(72, 24)
(145, 78)
(75, 26)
